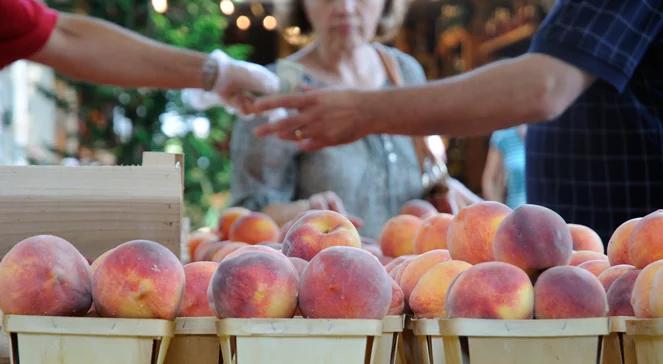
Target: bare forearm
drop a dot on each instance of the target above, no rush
(100, 52)
(526, 89)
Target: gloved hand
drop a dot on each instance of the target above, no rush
(236, 83)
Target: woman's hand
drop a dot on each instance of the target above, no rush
(330, 201)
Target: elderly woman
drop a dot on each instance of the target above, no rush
(370, 178)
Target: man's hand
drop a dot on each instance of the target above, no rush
(324, 117)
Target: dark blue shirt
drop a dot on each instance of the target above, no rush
(601, 162)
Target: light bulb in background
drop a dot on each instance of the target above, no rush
(160, 6)
(269, 22)
(227, 7)
(243, 22)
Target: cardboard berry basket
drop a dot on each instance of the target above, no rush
(618, 348)
(301, 341)
(478, 341)
(387, 344)
(647, 336)
(195, 341)
(95, 208)
(86, 340)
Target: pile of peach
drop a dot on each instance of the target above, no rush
(324, 274)
(492, 262)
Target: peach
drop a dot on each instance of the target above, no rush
(45, 275)
(620, 293)
(227, 218)
(299, 264)
(97, 262)
(533, 238)
(397, 273)
(197, 238)
(596, 267)
(256, 249)
(275, 246)
(472, 232)
(254, 284)
(397, 300)
(397, 261)
(194, 300)
(580, 256)
(227, 248)
(419, 266)
(609, 276)
(317, 230)
(254, 228)
(646, 243)
(397, 236)
(345, 282)
(139, 279)
(205, 251)
(491, 290)
(433, 233)
(619, 243)
(642, 289)
(585, 238)
(656, 295)
(286, 227)
(385, 260)
(428, 297)
(569, 292)
(419, 208)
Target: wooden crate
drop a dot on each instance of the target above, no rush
(618, 348)
(195, 341)
(299, 341)
(95, 208)
(386, 345)
(476, 341)
(87, 340)
(647, 335)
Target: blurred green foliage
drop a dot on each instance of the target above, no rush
(193, 24)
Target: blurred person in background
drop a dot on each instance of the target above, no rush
(368, 179)
(98, 51)
(503, 177)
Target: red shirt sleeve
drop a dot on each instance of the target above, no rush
(25, 26)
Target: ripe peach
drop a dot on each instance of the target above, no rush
(609, 276)
(491, 290)
(254, 228)
(227, 218)
(643, 289)
(569, 292)
(317, 230)
(397, 300)
(585, 238)
(45, 275)
(596, 267)
(345, 282)
(194, 300)
(255, 284)
(419, 266)
(533, 238)
(139, 279)
(428, 297)
(472, 232)
(433, 233)
(620, 294)
(619, 243)
(646, 243)
(580, 256)
(397, 237)
(419, 208)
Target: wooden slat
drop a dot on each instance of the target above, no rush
(194, 349)
(195, 326)
(653, 327)
(540, 350)
(299, 327)
(87, 326)
(95, 208)
(512, 328)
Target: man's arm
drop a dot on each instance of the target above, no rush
(98, 51)
(532, 87)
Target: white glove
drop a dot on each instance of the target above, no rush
(237, 80)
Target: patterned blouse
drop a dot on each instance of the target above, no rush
(374, 176)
